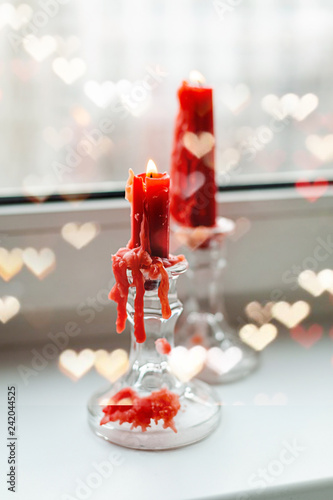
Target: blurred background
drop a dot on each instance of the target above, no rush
(89, 90)
(81, 102)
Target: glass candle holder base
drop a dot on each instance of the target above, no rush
(150, 407)
(203, 321)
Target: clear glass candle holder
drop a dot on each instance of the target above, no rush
(203, 321)
(149, 372)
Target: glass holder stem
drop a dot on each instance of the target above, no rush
(204, 319)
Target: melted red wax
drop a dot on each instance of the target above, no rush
(162, 346)
(159, 405)
(138, 259)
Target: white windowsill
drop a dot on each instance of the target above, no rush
(52, 424)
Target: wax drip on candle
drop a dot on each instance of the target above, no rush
(129, 186)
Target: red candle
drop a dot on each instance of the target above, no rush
(148, 248)
(193, 192)
(150, 211)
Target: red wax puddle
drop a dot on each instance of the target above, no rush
(137, 259)
(159, 405)
(162, 346)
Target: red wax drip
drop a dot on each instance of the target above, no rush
(159, 405)
(137, 210)
(193, 191)
(138, 259)
(119, 292)
(163, 290)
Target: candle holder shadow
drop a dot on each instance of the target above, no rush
(198, 410)
(203, 321)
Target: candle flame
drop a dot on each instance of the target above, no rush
(151, 168)
(197, 78)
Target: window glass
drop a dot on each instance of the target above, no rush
(88, 89)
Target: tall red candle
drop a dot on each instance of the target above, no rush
(148, 248)
(193, 192)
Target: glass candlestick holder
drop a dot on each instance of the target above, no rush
(196, 407)
(203, 321)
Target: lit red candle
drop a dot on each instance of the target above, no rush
(148, 248)
(150, 211)
(193, 183)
